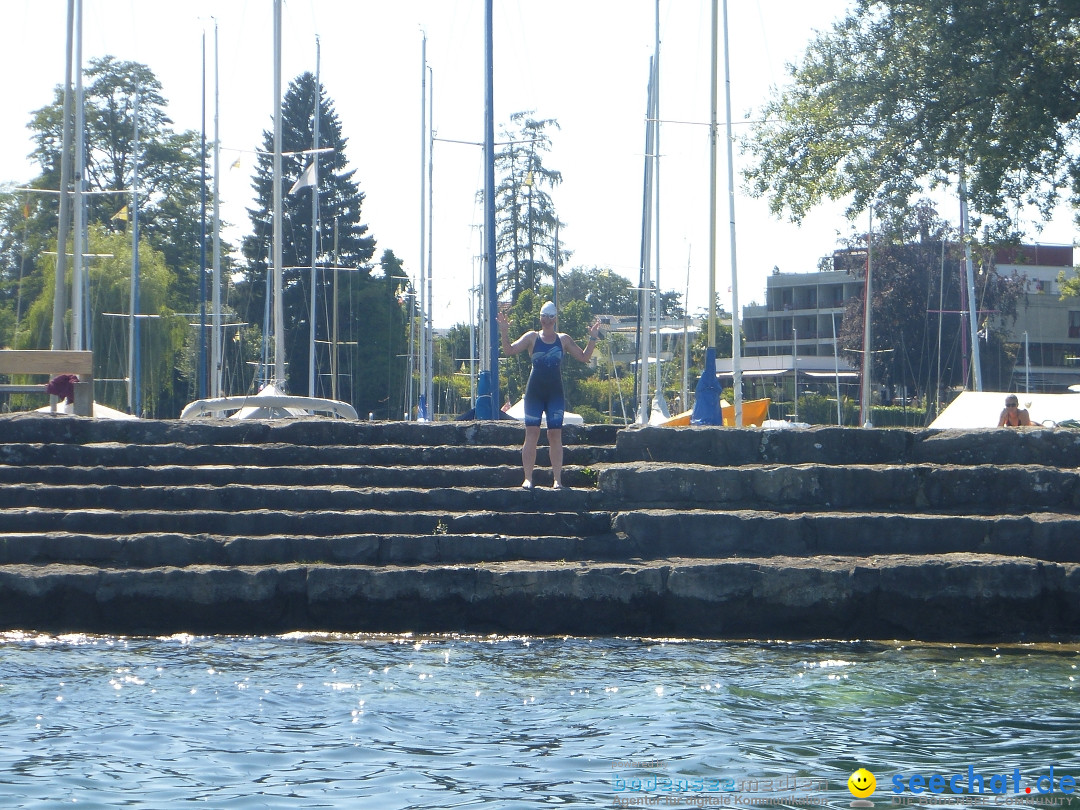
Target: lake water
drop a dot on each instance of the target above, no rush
(343, 721)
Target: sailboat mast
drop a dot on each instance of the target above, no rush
(491, 279)
(836, 370)
(216, 364)
(77, 338)
(60, 294)
(644, 320)
(202, 234)
(686, 339)
(314, 220)
(867, 365)
(972, 305)
(658, 391)
(712, 185)
(422, 410)
(940, 319)
(279, 311)
(736, 327)
(133, 327)
(410, 307)
(707, 393)
(334, 336)
(555, 269)
(429, 389)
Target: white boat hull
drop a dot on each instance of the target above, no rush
(270, 403)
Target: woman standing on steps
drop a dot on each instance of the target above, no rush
(544, 391)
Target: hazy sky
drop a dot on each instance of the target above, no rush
(582, 62)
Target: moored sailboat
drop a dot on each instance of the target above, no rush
(273, 401)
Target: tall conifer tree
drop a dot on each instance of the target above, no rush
(339, 197)
(525, 214)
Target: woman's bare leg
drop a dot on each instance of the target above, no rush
(555, 452)
(528, 453)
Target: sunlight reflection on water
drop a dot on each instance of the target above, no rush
(330, 720)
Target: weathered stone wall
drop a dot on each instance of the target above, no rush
(211, 527)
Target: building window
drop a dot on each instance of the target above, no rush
(1074, 324)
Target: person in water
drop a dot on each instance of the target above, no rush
(1013, 415)
(544, 391)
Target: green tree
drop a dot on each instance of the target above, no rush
(605, 291)
(1070, 283)
(340, 199)
(24, 237)
(608, 293)
(169, 206)
(525, 218)
(169, 169)
(897, 97)
(389, 343)
(458, 345)
(163, 337)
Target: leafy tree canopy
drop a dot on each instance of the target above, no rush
(608, 293)
(910, 293)
(900, 94)
(169, 164)
(605, 291)
(525, 218)
(163, 336)
(170, 186)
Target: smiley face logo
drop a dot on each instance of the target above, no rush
(862, 783)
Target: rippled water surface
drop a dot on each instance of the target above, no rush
(310, 720)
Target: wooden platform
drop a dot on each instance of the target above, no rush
(49, 363)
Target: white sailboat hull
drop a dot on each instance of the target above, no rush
(270, 403)
(517, 411)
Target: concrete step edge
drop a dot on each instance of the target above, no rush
(943, 597)
(183, 550)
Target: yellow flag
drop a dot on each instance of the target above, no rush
(121, 214)
(236, 164)
(529, 179)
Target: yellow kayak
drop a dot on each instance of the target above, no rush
(755, 411)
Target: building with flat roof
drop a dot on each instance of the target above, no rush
(622, 334)
(801, 314)
(794, 331)
(1047, 329)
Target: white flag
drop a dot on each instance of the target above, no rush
(306, 179)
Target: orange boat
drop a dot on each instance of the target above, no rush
(755, 411)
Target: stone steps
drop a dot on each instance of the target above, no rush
(353, 475)
(278, 523)
(283, 455)
(153, 527)
(939, 597)
(751, 533)
(921, 487)
(302, 434)
(846, 446)
(323, 499)
(639, 535)
(941, 489)
(177, 550)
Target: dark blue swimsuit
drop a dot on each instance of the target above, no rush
(544, 391)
